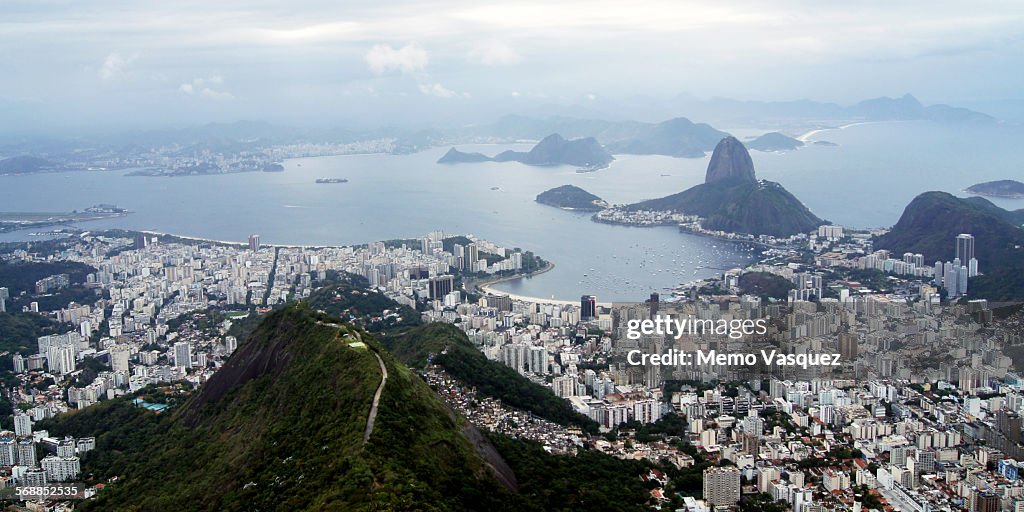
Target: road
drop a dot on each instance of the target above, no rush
(380, 388)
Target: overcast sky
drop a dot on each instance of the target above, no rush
(151, 63)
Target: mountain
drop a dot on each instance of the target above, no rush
(283, 426)
(677, 137)
(23, 165)
(454, 156)
(732, 199)
(550, 151)
(730, 161)
(908, 107)
(1000, 188)
(774, 141)
(555, 150)
(572, 198)
(930, 223)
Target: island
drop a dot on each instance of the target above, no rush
(774, 141)
(331, 180)
(570, 197)
(1012, 189)
(731, 200)
(551, 151)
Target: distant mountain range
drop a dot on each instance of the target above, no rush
(678, 137)
(572, 198)
(550, 151)
(930, 223)
(732, 199)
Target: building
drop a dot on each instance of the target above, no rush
(22, 425)
(33, 477)
(254, 242)
(964, 247)
(183, 354)
(848, 346)
(722, 486)
(441, 286)
(61, 469)
(27, 452)
(588, 308)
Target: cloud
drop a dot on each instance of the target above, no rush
(207, 88)
(437, 90)
(114, 65)
(496, 53)
(408, 59)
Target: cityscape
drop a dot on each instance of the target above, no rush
(532, 256)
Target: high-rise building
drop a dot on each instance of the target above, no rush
(472, 256)
(22, 425)
(119, 358)
(588, 308)
(441, 286)
(654, 303)
(964, 247)
(183, 354)
(27, 452)
(4, 295)
(254, 242)
(61, 469)
(722, 486)
(848, 346)
(61, 359)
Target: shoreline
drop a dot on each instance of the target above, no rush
(486, 288)
(803, 138)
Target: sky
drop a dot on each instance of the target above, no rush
(142, 63)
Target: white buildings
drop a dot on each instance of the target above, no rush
(183, 355)
(722, 486)
(61, 469)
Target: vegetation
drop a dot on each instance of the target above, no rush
(930, 224)
(19, 332)
(765, 285)
(739, 206)
(570, 196)
(589, 481)
(447, 346)
(280, 427)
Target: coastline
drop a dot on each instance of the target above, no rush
(803, 138)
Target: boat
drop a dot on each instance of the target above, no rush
(331, 180)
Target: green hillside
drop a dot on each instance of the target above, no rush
(281, 427)
(930, 224)
(740, 206)
(449, 347)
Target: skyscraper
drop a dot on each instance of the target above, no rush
(964, 248)
(254, 242)
(654, 303)
(441, 286)
(588, 307)
(722, 486)
(183, 354)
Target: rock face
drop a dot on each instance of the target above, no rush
(732, 199)
(731, 162)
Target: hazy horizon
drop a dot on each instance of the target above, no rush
(123, 64)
